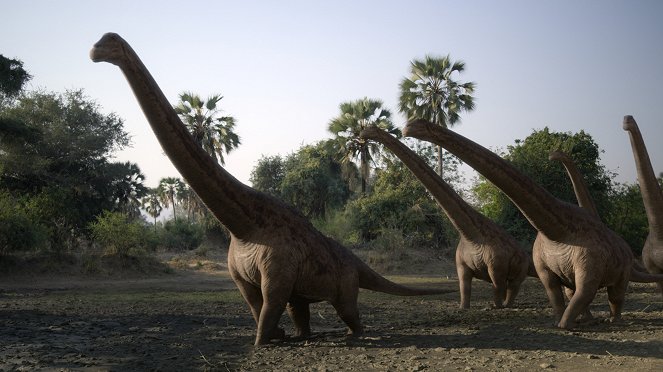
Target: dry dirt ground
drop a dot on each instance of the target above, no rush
(195, 319)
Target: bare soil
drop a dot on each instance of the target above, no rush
(195, 319)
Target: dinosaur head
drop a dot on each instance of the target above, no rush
(417, 128)
(558, 155)
(370, 132)
(629, 124)
(110, 48)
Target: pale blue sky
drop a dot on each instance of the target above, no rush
(284, 67)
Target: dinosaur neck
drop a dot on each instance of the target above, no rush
(224, 195)
(544, 211)
(461, 215)
(580, 187)
(649, 187)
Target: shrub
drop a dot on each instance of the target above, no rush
(117, 234)
(180, 235)
(18, 231)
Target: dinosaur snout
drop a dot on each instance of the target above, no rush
(629, 123)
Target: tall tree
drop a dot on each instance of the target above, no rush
(531, 157)
(211, 131)
(12, 76)
(151, 202)
(127, 187)
(354, 117)
(431, 93)
(169, 190)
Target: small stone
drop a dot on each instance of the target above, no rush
(546, 365)
(591, 356)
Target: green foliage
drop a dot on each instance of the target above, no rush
(181, 235)
(310, 179)
(12, 76)
(354, 117)
(430, 92)
(627, 215)
(399, 201)
(18, 229)
(214, 133)
(117, 234)
(531, 157)
(267, 176)
(55, 148)
(169, 190)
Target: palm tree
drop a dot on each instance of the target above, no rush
(430, 93)
(214, 133)
(354, 117)
(168, 190)
(194, 207)
(152, 205)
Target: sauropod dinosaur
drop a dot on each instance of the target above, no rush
(276, 257)
(652, 252)
(485, 251)
(586, 201)
(573, 248)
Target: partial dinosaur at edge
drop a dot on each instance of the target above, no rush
(652, 252)
(276, 257)
(485, 251)
(572, 249)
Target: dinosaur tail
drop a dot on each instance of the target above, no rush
(645, 277)
(369, 279)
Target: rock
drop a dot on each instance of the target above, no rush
(546, 365)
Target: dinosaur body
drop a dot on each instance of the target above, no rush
(485, 251)
(652, 252)
(573, 248)
(276, 257)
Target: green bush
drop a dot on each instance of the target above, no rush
(181, 235)
(117, 234)
(18, 231)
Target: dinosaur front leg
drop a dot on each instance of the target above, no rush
(301, 316)
(553, 287)
(616, 295)
(465, 282)
(498, 279)
(512, 289)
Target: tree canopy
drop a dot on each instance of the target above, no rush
(531, 157)
(55, 150)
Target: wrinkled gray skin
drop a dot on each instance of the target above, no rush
(572, 249)
(652, 252)
(276, 257)
(485, 251)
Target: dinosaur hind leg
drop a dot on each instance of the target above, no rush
(346, 308)
(301, 316)
(465, 282)
(616, 295)
(553, 287)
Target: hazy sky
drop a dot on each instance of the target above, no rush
(285, 66)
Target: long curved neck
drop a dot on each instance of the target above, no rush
(462, 216)
(579, 186)
(542, 209)
(223, 194)
(649, 187)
